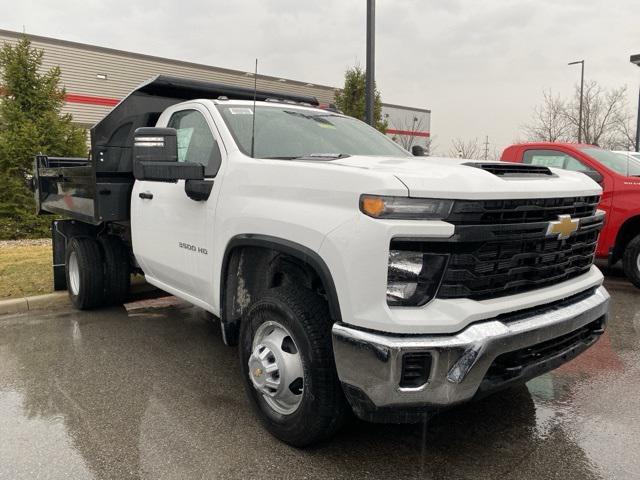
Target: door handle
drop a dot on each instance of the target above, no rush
(146, 195)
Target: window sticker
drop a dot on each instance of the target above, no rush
(240, 111)
(184, 138)
(548, 160)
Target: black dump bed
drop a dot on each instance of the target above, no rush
(98, 189)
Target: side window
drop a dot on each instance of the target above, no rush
(554, 158)
(195, 140)
(576, 165)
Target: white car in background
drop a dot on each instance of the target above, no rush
(634, 155)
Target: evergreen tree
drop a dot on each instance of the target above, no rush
(30, 122)
(351, 99)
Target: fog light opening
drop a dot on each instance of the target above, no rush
(416, 368)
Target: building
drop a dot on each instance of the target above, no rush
(407, 126)
(97, 78)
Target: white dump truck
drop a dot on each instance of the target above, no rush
(352, 275)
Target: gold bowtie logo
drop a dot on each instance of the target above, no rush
(563, 227)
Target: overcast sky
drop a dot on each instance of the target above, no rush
(480, 66)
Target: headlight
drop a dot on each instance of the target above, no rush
(378, 206)
(413, 277)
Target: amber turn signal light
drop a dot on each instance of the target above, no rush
(373, 206)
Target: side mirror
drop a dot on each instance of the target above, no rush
(595, 176)
(155, 157)
(418, 151)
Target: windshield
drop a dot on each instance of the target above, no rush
(618, 162)
(288, 132)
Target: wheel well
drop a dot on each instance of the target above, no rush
(254, 265)
(628, 231)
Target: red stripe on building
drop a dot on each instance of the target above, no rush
(410, 133)
(91, 100)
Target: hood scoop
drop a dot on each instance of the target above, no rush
(504, 169)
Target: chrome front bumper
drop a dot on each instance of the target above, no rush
(370, 364)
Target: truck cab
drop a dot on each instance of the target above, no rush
(351, 275)
(619, 176)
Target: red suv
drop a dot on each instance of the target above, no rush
(619, 176)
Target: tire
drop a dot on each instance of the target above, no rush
(322, 408)
(117, 272)
(84, 270)
(631, 261)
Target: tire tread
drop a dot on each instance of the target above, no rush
(117, 276)
(630, 261)
(90, 264)
(330, 407)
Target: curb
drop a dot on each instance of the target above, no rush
(60, 299)
(19, 305)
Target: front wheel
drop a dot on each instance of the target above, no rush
(288, 367)
(631, 261)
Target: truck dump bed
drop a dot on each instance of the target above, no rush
(98, 189)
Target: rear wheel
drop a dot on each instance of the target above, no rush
(288, 367)
(631, 261)
(84, 273)
(117, 275)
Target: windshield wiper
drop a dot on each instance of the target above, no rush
(328, 156)
(312, 156)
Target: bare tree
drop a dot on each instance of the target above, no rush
(603, 112)
(549, 122)
(410, 124)
(606, 120)
(465, 149)
(626, 133)
(431, 146)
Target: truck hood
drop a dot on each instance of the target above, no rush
(449, 178)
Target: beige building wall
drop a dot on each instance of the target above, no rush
(96, 78)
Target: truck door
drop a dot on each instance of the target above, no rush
(172, 234)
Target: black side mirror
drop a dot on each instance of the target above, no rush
(155, 157)
(595, 176)
(418, 151)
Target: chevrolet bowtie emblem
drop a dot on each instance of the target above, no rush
(563, 227)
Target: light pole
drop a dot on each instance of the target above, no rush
(635, 59)
(581, 62)
(369, 91)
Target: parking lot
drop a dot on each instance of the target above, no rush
(152, 392)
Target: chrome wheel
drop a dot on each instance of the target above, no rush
(275, 368)
(74, 273)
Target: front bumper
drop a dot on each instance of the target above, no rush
(481, 358)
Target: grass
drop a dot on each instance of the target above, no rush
(25, 269)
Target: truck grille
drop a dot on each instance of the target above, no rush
(492, 269)
(482, 212)
(509, 255)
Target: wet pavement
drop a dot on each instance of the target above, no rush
(153, 393)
